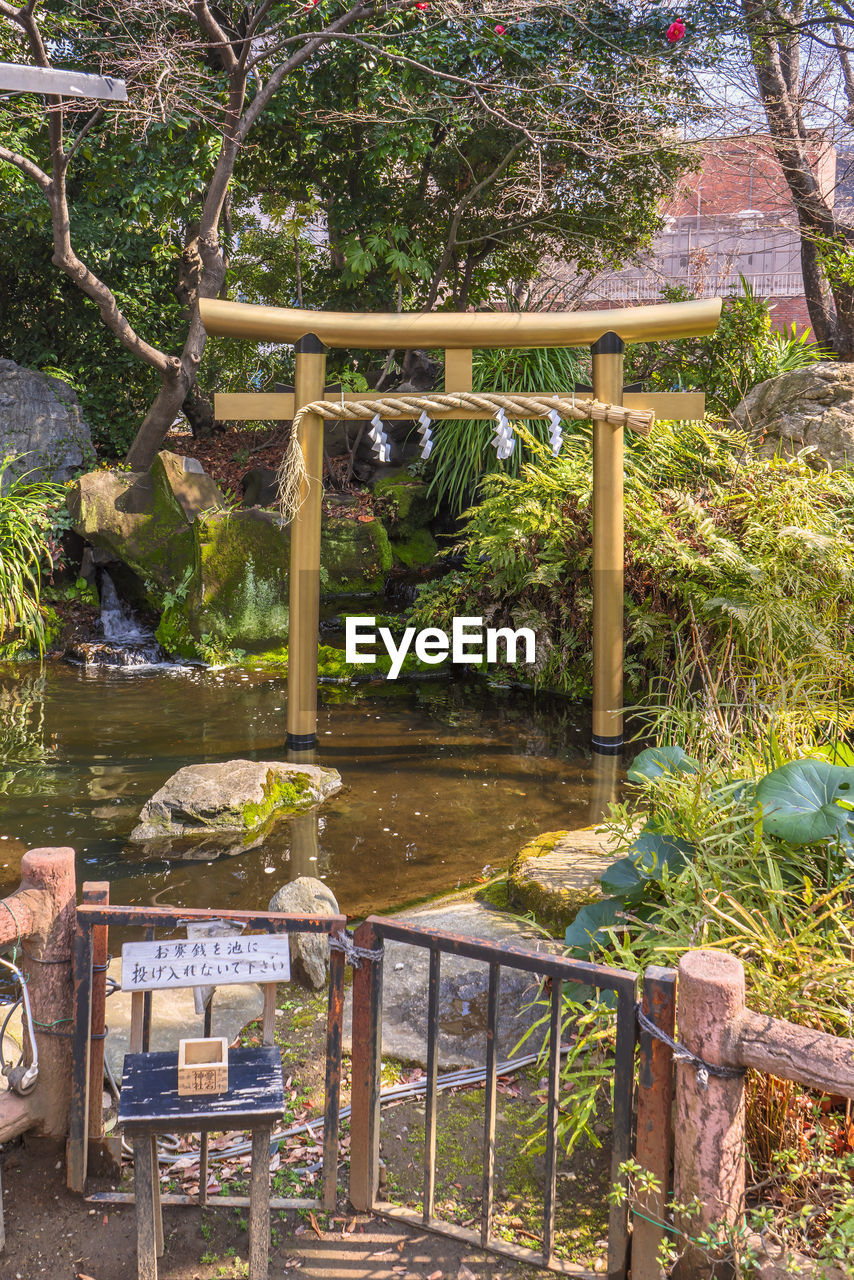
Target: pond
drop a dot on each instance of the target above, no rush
(444, 780)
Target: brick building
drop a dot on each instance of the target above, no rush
(732, 217)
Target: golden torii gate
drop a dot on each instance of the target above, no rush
(605, 332)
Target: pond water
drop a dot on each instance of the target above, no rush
(443, 780)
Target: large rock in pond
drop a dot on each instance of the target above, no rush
(145, 519)
(307, 896)
(812, 407)
(236, 795)
(558, 873)
(40, 420)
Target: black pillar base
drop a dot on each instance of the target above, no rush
(301, 741)
(607, 746)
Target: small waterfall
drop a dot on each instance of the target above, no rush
(126, 643)
(117, 620)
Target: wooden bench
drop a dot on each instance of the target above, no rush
(150, 1104)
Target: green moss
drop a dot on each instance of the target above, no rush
(239, 590)
(419, 548)
(495, 894)
(293, 795)
(356, 556)
(173, 633)
(552, 906)
(409, 496)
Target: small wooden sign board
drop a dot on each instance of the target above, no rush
(157, 966)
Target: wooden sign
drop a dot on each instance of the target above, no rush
(156, 966)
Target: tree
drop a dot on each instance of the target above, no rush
(786, 44)
(224, 66)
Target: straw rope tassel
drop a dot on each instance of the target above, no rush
(292, 472)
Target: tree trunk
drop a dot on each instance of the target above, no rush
(199, 411)
(158, 420)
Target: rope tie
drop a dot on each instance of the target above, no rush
(294, 479)
(352, 954)
(681, 1054)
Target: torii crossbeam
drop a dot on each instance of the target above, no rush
(605, 332)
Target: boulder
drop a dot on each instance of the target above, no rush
(307, 896)
(145, 519)
(557, 874)
(238, 594)
(355, 556)
(812, 407)
(409, 514)
(235, 795)
(40, 421)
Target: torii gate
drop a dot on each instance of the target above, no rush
(605, 332)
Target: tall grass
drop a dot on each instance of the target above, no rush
(25, 516)
(463, 454)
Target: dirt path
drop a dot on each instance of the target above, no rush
(52, 1233)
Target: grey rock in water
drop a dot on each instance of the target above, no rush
(807, 408)
(40, 420)
(307, 896)
(235, 795)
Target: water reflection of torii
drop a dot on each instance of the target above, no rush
(605, 332)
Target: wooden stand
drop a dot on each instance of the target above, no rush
(150, 1104)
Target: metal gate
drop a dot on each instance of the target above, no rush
(365, 1118)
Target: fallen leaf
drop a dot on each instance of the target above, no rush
(435, 1275)
(315, 1228)
(350, 1227)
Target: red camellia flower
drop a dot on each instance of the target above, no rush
(422, 6)
(499, 30)
(676, 31)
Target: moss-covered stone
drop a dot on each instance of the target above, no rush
(145, 519)
(355, 556)
(289, 794)
(410, 512)
(558, 873)
(173, 633)
(409, 496)
(416, 550)
(238, 594)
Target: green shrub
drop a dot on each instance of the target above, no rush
(463, 452)
(26, 510)
(739, 575)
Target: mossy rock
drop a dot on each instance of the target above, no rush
(558, 873)
(409, 496)
(145, 519)
(416, 550)
(238, 593)
(234, 795)
(355, 556)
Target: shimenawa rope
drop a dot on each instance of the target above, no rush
(293, 477)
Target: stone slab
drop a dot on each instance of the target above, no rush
(556, 874)
(463, 988)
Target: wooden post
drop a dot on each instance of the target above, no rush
(654, 1127)
(366, 1059)
(709, 1158)
(607, 353)
(304, 587)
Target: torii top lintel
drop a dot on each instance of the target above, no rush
(463, 329)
